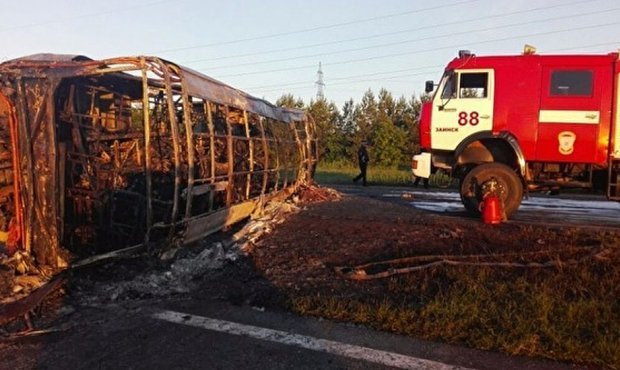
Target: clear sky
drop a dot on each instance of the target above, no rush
(270, 47)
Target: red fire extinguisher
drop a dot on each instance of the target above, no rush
(491, 207)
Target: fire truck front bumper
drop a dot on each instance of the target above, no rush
(421, 165)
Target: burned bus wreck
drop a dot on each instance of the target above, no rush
(97, 155)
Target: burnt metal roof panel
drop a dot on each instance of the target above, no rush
(198, 84)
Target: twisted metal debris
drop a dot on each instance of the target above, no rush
(97, 155)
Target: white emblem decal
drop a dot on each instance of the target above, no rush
(567, 142)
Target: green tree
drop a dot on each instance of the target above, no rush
(346, 124)
(391, 126)
(389, 144)
(365, 116)
(289, 101)
(331, 139)
(385, 105)
(403, 119)
(348, 127)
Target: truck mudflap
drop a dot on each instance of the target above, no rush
(421, 165)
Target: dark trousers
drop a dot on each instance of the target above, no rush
(362, 175)
(424, 180)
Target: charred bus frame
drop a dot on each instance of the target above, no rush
(101, 154)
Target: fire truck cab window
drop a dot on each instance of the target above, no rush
(571, 83)
(474, 85)
(449, 88)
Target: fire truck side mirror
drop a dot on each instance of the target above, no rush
(430, 86)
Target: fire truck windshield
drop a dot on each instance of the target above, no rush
(448, 82)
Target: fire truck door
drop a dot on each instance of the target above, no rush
(570, 114)
(462, 106)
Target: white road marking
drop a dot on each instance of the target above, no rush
(311, 343)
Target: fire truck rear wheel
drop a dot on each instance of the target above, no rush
(511, 188)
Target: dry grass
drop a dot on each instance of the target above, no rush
(567, 313)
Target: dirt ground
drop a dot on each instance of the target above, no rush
(302, 253)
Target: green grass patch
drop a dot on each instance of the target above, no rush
(343, 173)
(571, 313)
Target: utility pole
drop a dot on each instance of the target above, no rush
(319, 83)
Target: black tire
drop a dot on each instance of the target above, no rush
(509, 183)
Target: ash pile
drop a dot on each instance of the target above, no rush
(172, 271)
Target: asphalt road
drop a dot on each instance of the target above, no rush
(139, 335)
(563, 210)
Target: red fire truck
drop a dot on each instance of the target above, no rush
(524, 122)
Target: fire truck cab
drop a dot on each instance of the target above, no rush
(526, 122)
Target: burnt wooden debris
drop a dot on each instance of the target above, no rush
(100, 155)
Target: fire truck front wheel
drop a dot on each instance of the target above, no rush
(509, 187)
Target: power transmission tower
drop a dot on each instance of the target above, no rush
(319, 83)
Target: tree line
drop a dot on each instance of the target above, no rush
(389, 125)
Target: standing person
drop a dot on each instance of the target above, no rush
(424, 180)
(362, 158)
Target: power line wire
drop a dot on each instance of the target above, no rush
(324, 27)
(433, 49)
(617, 43)
(305, 87)
(301, 83)
(343, 51)
(87, 15)
(358, 81)
(459, 22)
